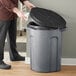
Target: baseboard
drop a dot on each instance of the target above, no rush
(68, 61)
(27, 60)
(64, 61)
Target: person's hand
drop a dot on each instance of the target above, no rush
(29, 4)
(19, 13)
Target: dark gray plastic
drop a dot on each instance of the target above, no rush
(37, 27)
(44, 17)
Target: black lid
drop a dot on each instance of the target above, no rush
(44, 17)
(37, 27)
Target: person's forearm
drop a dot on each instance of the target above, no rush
(25, 2)
(28, 4)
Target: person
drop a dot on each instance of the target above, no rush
(8, 16)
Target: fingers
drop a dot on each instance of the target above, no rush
(24, 18)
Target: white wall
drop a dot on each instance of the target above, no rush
(67, 9)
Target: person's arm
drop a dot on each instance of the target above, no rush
(28, 4)
(19, 13)
(11, 7)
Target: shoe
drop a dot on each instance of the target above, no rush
(17, 58)
(4, 65)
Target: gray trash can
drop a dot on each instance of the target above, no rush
(44, 44)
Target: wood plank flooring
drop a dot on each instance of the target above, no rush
(21, 69)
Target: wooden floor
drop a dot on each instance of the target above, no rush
(21, 69)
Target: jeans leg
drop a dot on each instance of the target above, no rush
(14, 55)
(3, 31)
(11, 37)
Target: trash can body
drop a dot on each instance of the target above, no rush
(44, 40)
(45, 49)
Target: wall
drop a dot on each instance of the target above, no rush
(66, 8)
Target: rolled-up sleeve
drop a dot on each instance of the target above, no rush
(8, 4)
